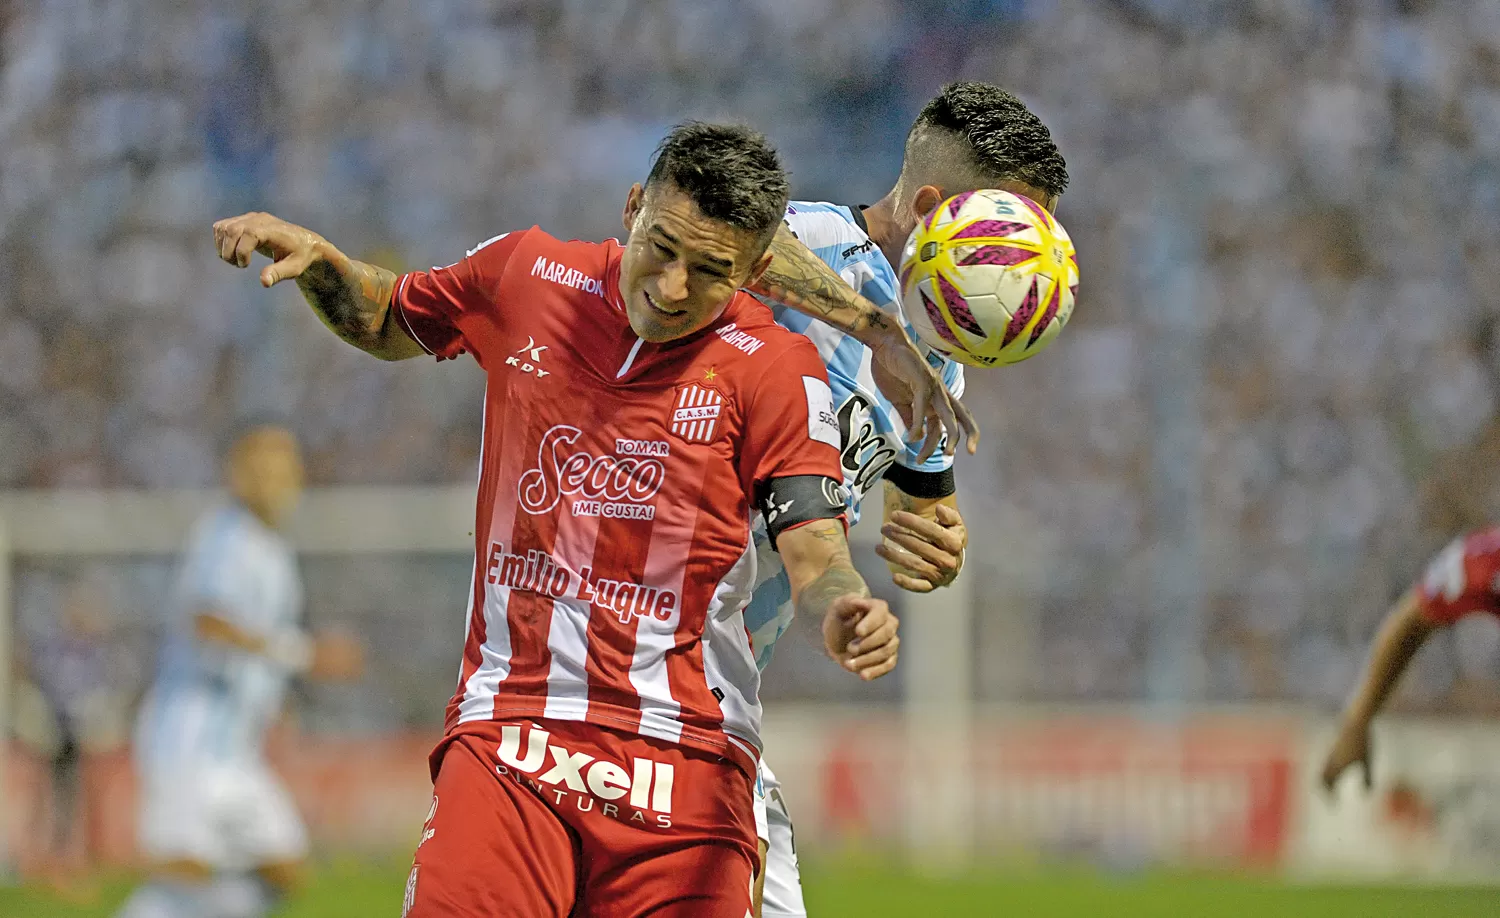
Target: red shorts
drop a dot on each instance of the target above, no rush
(547, 819)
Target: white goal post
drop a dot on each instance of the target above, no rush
(936, 652)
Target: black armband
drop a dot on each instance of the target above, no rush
(798, 499)
(922, 484)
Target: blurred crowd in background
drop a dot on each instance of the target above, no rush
(1287, 214)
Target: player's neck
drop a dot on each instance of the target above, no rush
(258, 514)
(880, 218)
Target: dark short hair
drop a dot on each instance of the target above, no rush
(731, 172)
(1000, 136)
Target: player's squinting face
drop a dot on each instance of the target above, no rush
(680, 268)
(265, 473)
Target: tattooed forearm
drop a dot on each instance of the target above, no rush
(803, 282)
(353, 299)
(838, 580)
(897, 499)
(818, 561)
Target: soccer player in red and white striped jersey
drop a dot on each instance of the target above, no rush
(600, 747)
(1463, 579)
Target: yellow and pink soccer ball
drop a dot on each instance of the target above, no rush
(988, 278)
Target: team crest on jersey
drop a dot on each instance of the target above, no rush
(695, 414)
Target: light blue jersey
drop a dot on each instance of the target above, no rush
(211, 702)
(871, 430)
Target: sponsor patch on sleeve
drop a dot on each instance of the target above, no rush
(822, 424)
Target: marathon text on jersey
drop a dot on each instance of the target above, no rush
(742, 340)
(648, 783)
(559, 273)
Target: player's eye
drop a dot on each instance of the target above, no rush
(662, 250)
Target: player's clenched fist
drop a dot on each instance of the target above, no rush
(860, 633)
(291, 248)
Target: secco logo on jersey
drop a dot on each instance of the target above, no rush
(866, 453)
(616, 487)
(628, 796)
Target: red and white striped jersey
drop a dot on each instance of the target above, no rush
(1463, 578)
(617, 486)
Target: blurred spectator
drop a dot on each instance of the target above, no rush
(70, 711)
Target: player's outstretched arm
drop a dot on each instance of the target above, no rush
(859, 631)
(924, 539)
(1402, 634)
(331, 657)
(351, 297)
(804, 282)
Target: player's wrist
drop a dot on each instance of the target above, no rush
(876, 330)
(291, 649)
(1356, 720)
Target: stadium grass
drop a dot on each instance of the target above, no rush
(835, 889)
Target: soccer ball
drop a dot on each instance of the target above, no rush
(988, 277)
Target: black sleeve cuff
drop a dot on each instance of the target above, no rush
(922, 484)
(798, 499)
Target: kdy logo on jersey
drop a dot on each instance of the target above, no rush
(696, 415)
(529, 358)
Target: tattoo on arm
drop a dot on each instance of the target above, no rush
(897, 499)
(354, 300)
(838, 578)
(817, 596)
(802, 281)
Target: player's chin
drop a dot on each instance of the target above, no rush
(655, 325)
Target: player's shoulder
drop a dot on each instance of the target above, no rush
(813, 209)
(752, 346)
(540, 238)
(226, 533)
(753, 317)
(220, 523)
(573, 265)
(539, 241)
(831, 230)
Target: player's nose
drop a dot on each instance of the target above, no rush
(673, 284)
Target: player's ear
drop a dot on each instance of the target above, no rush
(927, 198)
(759, 268)
(635, 202)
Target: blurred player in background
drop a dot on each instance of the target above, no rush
(221, 833)
(1464, 579)
(601, 747)
(971, 136)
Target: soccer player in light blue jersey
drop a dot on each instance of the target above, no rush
(220, 832)
(971, 136)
